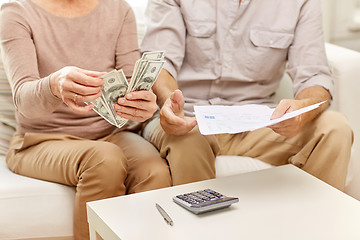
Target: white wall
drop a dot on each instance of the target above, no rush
(342, 22)
(139, 7)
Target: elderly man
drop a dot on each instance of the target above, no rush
(235, 52)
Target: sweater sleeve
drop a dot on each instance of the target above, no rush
(127, 47)
(31, 94)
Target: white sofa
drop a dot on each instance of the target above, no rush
(35, 209)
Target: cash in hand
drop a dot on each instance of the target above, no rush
(146, 71)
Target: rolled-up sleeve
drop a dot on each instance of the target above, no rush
(307, 62)
(166, 31)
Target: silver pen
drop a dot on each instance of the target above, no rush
(166, 217)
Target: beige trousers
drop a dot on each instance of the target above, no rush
(322, 149)
(118, 164)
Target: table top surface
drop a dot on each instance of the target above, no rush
(278, 203)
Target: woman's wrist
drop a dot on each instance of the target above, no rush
(54, 85)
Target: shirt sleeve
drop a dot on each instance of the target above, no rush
(307, 61)
(166, 31)
(32, 95)
(127, 47)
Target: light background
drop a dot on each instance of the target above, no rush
(341, 20)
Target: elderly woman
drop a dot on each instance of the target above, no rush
(55, 52)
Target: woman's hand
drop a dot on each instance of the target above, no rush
(137, 106)
(75, 85)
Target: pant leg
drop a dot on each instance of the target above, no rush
(322, 148)
(147, 170)
(98, 169)
(191, 157)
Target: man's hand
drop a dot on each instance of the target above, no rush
(307, 97)
(75, 85)
(137, 106)
(172, 117)
(290, 127)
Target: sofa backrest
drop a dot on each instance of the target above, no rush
(7, 112)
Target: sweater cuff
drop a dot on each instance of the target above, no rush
(48, 94)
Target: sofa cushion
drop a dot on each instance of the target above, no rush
(34, 208)
(232, 165)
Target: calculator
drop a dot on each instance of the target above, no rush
(204, 201)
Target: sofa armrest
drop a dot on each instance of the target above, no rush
(345, 67)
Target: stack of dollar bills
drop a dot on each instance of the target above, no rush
(146, 70)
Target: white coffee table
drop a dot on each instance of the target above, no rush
(278, 203)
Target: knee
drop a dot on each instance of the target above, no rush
(158, 176)
(106, 162)
(159, 171)
(151, 174)
(188, 143)
(193, 141)
(336, 126)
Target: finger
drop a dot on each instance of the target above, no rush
(178, 129)
(87, 98)
(78, 97)
(85, 90)
(76, 108)
(170, 118)
(135, 112)
(92, 73)
(140, 118)
(280, 110)
(125, 105)
(85, 80)
(69, 87)
(282, 124)
(141, 95)
(177, 101)
(178, 122)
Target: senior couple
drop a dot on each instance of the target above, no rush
(217, 52)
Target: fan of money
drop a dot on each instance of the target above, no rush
(146, 70)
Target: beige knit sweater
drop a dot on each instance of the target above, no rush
(35, 43)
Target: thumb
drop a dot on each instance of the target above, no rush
(280, 110)
(177, 101)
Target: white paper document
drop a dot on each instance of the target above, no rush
(217, 119)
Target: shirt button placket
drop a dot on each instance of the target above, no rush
(227, 53)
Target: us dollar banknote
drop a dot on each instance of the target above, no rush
(146, 71)
(101, 108)
(148, 76)
(115, 86)
(141, 66)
